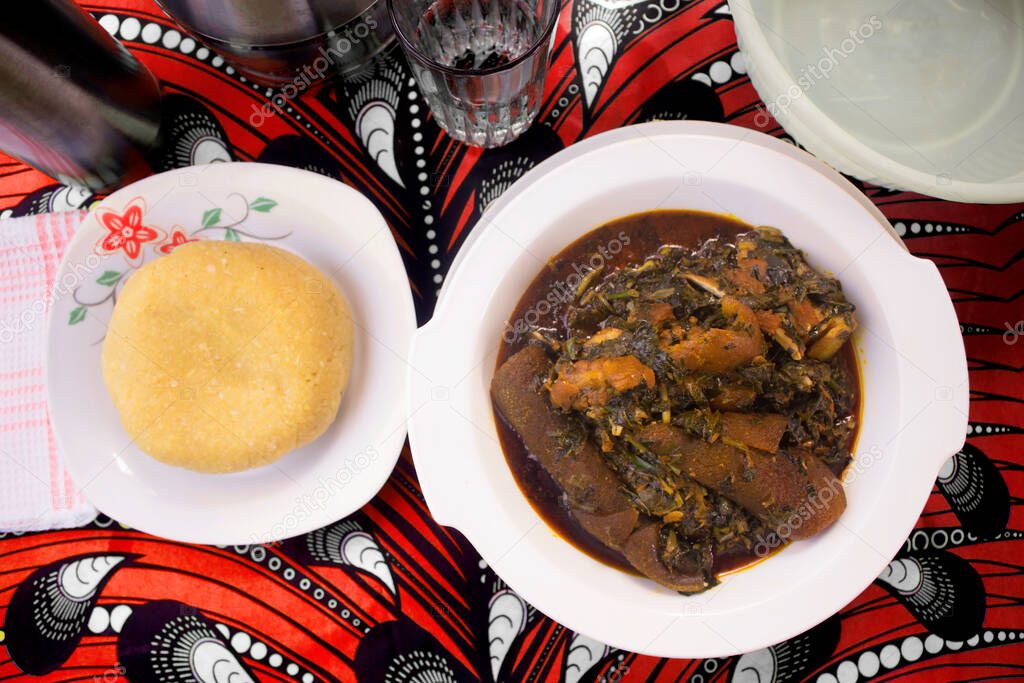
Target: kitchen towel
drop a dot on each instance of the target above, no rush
(36, 491)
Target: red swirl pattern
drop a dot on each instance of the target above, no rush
(387, 594)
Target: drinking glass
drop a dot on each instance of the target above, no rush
(282, 42)
(480, 63)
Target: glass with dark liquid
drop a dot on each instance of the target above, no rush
(481, 64)
(275, 42)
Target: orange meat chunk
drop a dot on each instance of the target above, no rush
(589, 383)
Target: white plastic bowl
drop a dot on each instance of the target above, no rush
(914, 372)
(921, 95)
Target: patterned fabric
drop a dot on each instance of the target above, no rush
(388, 595)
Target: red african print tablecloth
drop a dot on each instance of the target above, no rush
(387, 595)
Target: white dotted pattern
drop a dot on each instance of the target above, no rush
(241, 642)
(847, 672)
(723, 70)
(151, 33)
(870, 663)
(423, 177)
(118, 616)
(130, 28)
(99, 620)
(903, 228)
(171, 39)
(974, 429)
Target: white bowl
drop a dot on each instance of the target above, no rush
(915, 94)
(330, 225)
(914, 372)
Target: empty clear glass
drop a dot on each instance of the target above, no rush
(480, 63)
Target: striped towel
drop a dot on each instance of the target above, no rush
(36, 491)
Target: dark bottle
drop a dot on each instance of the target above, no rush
(74, 102)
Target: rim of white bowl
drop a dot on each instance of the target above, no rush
(820, 134)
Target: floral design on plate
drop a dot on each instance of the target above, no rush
(212, 218)
(129, 234)
(125, 231)
(178, 238)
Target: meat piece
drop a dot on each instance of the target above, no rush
(743, 279)
(763, 431)
(713, 350)
(643, 549)
(656, 314)
(758, 430)
(746, 245)
(734, 397)
(750, 260)
(590, 486)
(805, 316)
(716, 350)
(612, 529)
(754, 266)
(793, 493)
(587, 383)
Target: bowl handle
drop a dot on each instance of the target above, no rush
(434, 452)
(937, 376)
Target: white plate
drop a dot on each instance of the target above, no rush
(916, 94)
(327, 223)
(914, 372)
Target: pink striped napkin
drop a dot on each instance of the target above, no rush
(36, 491)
